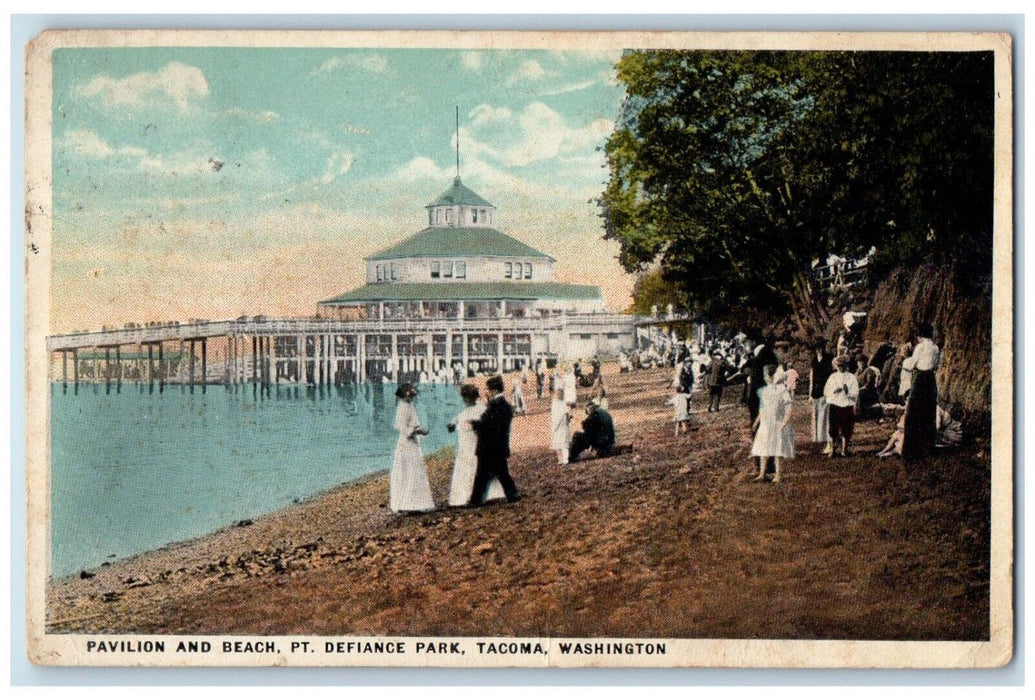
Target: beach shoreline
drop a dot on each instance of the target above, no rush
(671, 540)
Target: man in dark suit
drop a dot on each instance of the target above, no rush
(493, 447)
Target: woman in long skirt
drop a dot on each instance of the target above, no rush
(408, 488)
(774, 436)
(465, 464)
(920, 429)
(560, 428)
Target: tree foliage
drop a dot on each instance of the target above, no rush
(732, 172)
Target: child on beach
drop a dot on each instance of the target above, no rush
(560, 427)
(465, 463)
(841, 392)
(409, 490)
(774, 436)
(681, 411)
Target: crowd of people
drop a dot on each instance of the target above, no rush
(844, 386)
(480, 468)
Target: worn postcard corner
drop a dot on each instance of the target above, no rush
(520, 349)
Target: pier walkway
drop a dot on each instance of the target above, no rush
(333, 351)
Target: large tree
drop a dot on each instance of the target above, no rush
(732, 172)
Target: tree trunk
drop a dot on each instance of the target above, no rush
(811, 316)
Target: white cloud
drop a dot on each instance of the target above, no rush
(486, 114)
(371, 63)
(471, 60)
(264, 117)
(418, 169)
(175, 82)
(87, 143)
(527, 71)
(338, 163)
(537, 133)
(327, 66)
(571, 57)
(571, 87)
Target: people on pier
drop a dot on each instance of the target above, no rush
(920, 429)
(598, 433)
(409, 490)
(493, 445)
(465, 463)
(774, 436)
(560, 427)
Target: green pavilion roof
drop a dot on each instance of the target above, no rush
(465, 291)
(444, 241)
(459, 194)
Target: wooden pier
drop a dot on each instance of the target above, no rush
(325, 352)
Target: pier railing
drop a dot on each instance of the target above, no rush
(260, 326)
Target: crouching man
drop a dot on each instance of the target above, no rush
(598, 433)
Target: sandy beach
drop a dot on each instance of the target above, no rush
(672, 540)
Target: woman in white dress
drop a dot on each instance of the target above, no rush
(408, 488)
(465, 464)
(774, 436)
(519, 395)
(560, 427)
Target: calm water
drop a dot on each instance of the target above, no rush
(134, 471)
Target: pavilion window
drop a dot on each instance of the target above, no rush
(438, 216)
(447, 268)
(449, 216)
(395, 272)
(380, 273)
(461, 270)
(435, 270)
(509, 270)
(474, 216)
(431, 217)
(528, 271)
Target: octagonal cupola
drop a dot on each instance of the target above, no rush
(460, 207)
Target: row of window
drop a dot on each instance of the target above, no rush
(387, 272)
(448, 269)
(514, 270)
(444, 215)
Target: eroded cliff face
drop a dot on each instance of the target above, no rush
(960, 307)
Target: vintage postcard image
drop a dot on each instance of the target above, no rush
(519, 349)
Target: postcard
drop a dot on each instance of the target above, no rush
(532, 349)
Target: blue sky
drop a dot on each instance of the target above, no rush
(211, 182)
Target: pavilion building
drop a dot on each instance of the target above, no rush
(461, 267)
(463, 291)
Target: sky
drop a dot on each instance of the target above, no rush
(216, 182)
